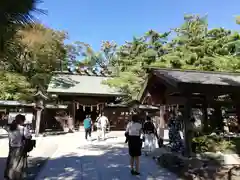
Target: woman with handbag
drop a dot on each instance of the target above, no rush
(133, 132)
(17, 158)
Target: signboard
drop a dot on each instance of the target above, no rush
(29, 117)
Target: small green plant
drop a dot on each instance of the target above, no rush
(212, 143)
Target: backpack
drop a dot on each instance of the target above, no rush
(149, 127)
(29, 144)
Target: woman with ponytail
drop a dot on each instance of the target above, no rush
(17, 157)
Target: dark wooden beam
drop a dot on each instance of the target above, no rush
(208, 89)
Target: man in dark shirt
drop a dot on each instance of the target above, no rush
(148, 126)
(150, 135)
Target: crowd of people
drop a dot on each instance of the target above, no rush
(140, 134)
(144, 136)
(101, 123)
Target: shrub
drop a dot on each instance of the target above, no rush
(212, 143)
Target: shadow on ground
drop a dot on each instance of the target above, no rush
(34, 167)
(102, 162)
(205, 166)
(110, 137)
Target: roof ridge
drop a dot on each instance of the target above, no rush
(196, 71)
(83, 73)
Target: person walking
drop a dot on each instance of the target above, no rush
(17, 157)
(175, 140)
(98, 125)
(87, 123)
(150, 135)
(133, 132)
(102, 123)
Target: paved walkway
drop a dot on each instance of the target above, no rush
(77, 159)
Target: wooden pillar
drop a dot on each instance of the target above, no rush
(236, 99)
(38, 121)
(71, 118)
(218, 117)
(161, 122)
(187, 131)
(73, 113)
(205, 115)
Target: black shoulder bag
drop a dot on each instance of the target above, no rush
(28, 144)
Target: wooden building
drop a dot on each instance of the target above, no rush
(10, 107)
(189, 89)
(84, 94)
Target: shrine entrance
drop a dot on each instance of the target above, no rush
(83, 110)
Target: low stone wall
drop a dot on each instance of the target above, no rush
(205, 166)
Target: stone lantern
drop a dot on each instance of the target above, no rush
(39, 98)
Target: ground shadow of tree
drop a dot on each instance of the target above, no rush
(34, 166)
(2, 165)
(230, 82)
(65, 82)
(204, 167)
(112, 164)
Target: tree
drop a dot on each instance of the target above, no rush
(37, 53)
(14, 14)
(196, 47)
(132, 58)
(14, 86)
(193, 47)
(43, 50)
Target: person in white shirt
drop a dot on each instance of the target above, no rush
(17, 158)
(133, 133)
(102, 123)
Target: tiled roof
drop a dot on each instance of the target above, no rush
(77, 84)
(14, 103)
(200, 77)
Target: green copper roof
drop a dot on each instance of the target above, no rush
(75, 84)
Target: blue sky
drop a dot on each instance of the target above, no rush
(92, 21)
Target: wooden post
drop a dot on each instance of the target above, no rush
(186, 122)
(218, 124)
(38, 121)
(236, 99)
(161, 121)
(73, 114)
(205, 115)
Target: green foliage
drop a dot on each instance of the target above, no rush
(14, 86)
(212, 143)
(14, 15)
(131, 58)
(34, 53)
(194, 47)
